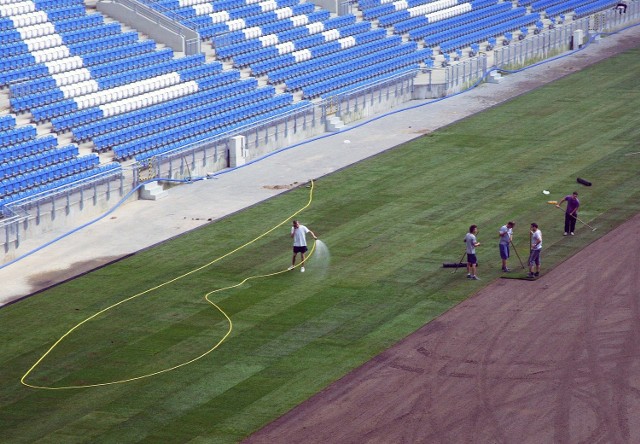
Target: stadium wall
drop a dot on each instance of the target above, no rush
(61, 209)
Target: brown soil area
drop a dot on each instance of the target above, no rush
(551, 360)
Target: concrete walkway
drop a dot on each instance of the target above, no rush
(140, 224)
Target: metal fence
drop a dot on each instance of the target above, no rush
(57, 208)
(613, 20)
(374, 98)
(560, 39)
(212, 155)
(280, 131)
(539, 46)
(462, 75)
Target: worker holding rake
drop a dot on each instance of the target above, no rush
(534, 254)
(571, 213)
(506, 235)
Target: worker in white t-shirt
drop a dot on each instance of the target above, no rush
(299, 235)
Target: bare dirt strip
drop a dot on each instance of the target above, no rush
(552, 360)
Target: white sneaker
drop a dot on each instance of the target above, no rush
(572, 233)
(301, 269)
(565, 233)
(290, 267)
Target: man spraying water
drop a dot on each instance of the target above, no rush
(299, 235)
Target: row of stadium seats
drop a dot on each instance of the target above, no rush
(49, 181)
(272, 27)
(280, 62)
(388, 8)
(257, 15)
(453, 13)
(318, 63)
(95, 72)
(32, 179)
(431, 16)
(486, 33)
(396, 65)
(80, 88)
(589, 8)
(474, 26)
(28, 148)
(420, 27)
(14, 135)
(64, 51)
(224, 129)
(25, 164)
(156, 87)
(293, 34)
(21, 33)
(92, 99)
(58, 39)
(408, 70)
(304, 43)
(334, 71)
(135, 107)
(25, 7)
(207, 29)
(34, 71)
(226, 10)
(41, 16)
(202, 126)
(228, 87)
(181, 119)
(7, 122)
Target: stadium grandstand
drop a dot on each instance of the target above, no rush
(99, 98)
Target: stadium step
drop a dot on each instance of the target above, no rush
(334, 124)
(153, 191)
(494, 77)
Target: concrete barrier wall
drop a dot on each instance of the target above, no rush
(58, 211)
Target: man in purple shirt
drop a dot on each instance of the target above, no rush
(571, 214)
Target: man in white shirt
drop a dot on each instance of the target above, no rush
(536, 248)
(472, 262)
(506, 234)
(299, 236)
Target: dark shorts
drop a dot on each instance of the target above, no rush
(534, 257)
(504, 251)
(299, 249)
(472, 259)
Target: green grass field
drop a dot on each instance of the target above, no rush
(389, 223)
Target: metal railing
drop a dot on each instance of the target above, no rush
(558, 40)
(77, 197)
(462, 75)
(202, 158)
(374, 98)
(539, 46)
